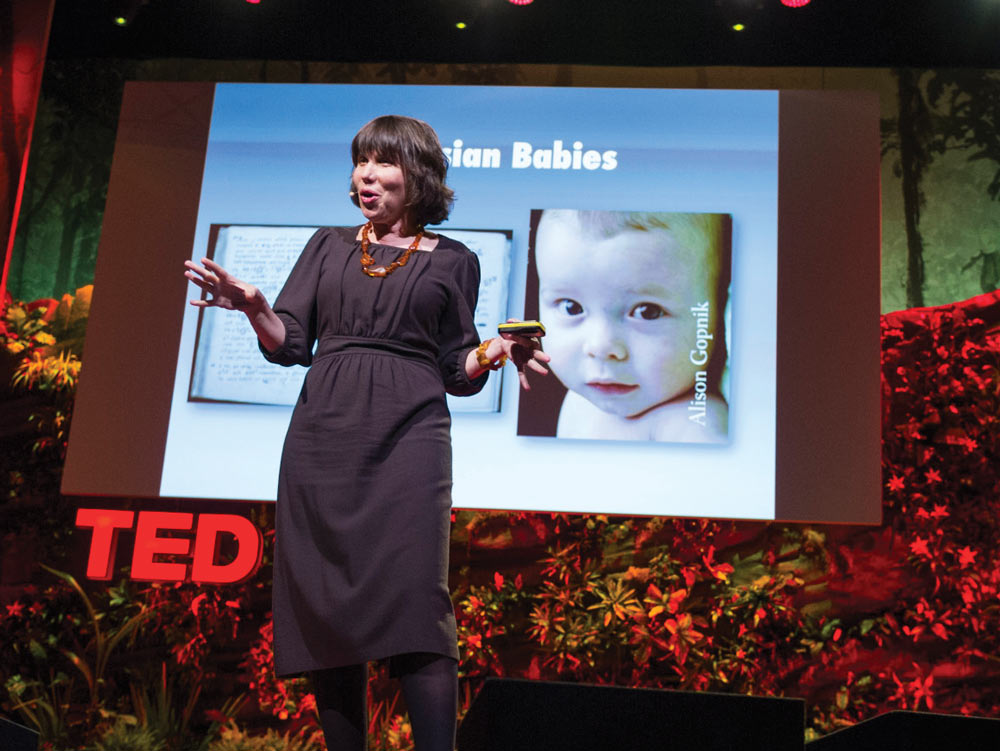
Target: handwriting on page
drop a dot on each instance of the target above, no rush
(228, 364)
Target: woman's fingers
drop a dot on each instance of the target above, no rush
(214, 267)
(198, 282)
(537, 367)
(225, 290)
(202, 271)
(524, 352)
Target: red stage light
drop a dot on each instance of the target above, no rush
(257, 2)
(794, 3)
(529, 2)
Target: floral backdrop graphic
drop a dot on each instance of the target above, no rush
(857, 620)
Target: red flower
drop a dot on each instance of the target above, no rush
(896, 483)
(933, 476)
(682, 636)
(967, 556)
(719, 571)
(919, 547)
(922, 690)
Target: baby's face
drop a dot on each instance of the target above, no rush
(617, 312)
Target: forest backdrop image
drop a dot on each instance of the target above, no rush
(857, 620)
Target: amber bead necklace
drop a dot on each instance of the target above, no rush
(382, 271)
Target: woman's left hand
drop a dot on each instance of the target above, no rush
(524, 352)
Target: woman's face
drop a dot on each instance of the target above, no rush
(381, 189)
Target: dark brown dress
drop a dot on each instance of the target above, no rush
(364, 490)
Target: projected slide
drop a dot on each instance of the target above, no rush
(512, 151)
(706, 263)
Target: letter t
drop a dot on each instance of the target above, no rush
(106, 523)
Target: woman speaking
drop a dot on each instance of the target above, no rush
(383, 315)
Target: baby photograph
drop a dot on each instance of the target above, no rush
(635, 306)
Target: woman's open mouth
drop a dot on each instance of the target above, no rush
(368, 197)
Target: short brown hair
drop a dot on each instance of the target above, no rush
(414, 146)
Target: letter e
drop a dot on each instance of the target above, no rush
(148, 546)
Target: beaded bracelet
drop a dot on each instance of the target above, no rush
(485, 362)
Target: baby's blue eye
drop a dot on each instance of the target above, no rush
(569, 306)
(647, 311)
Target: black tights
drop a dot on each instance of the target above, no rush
(430, 687)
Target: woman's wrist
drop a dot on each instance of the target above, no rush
(490, 354)
(269, 328)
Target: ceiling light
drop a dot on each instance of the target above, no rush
(123, 12)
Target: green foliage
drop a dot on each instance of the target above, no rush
(126, 736)
(232, 738)
(635, 601)
(57, 642)
(64, 665)
(92, 660)
(39, 371)
(40, 704)
(154, 707)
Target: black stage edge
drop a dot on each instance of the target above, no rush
(914, 731)
(518, 715)
(14, 737)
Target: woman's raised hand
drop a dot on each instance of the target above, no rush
(225, 291)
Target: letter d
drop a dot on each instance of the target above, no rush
(249, 547)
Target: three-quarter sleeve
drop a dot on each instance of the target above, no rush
(458, 329)
(296, 305)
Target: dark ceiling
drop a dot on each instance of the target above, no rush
(916, 33)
